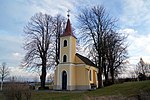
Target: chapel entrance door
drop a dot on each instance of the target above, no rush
(64, 80)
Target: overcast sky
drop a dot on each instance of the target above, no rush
(133, 19)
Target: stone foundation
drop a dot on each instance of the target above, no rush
(83, 87)
(57, 87)
(73, 87)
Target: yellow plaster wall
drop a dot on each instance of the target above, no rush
(64, 50)
(76, 74)
(55, 77)
(73, 48)
(81, 76)
(93, 74)
(86, 78)
(73, 75)
(78, 60)
(61, 69)
(94, 77)
(64, 68)
(69, 50)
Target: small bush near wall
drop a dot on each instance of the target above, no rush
(107, 83)
(45, 88)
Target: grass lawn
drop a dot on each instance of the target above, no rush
(57, 96)
(125, 89)
(1, 96)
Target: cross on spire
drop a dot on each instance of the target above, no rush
(68, 30)
(68, 13)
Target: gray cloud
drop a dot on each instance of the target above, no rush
(136, 15)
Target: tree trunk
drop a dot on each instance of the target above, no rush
(106, 75)
(100, 81)
(1, 84)
(43, 76)
(112, 77)
(105, 71)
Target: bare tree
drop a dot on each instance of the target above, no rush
(39, 44)
(95, 24)
(59, 23)
(106, 46)
(116, 54)
(143, 68)
(17, 91)
(50, 78)
(4, 72)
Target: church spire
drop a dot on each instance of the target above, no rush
(68, 30)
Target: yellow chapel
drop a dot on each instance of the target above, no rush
(74, 71)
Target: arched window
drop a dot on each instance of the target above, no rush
(65, 43)
(90, 75)
(64, 58)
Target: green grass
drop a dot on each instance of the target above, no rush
(125, 89)
(56, 96)
(1, 96)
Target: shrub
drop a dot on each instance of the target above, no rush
(17, 91)
(107, 83)
(142, 77)
(45, 88)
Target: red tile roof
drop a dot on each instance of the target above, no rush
(68, 30)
